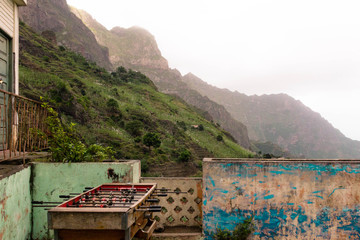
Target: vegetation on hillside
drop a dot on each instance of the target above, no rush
(121, 109)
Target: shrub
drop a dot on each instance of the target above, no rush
(241, 232)
(112, 104)
(184, 156)
(219, 138)
(65, 146)
(151, 140)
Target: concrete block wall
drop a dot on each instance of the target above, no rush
(298, 199)
(15, 204)
(183, 209)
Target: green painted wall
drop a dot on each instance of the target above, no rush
(15, 206)
(49, 180)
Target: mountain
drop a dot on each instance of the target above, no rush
(281, 119)
(119, 109)
(137, 49)
(55, 17)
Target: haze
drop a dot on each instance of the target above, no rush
(307, 49)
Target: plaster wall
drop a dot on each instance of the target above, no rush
(49, 180)
(296, 199)
(15, 206)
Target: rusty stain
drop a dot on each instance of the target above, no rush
(112, 175)
(199, 195)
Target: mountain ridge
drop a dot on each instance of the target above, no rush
(290, 124)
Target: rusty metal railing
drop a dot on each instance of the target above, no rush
(22, 120)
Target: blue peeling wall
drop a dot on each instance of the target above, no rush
(287, 199)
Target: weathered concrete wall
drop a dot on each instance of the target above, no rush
(15, 205)
(49, 180)
(288, 199)
(183, 209)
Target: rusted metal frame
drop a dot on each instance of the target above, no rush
(3, 134)
(16, 123)
(24, 122)
(5, 126)
(19, 124)
(25, 114)
(20, 97)
(31, 123)
(9, 125)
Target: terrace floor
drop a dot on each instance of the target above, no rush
(178, 233)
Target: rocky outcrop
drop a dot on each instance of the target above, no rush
(55, 16)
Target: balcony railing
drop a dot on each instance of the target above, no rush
(21, 121)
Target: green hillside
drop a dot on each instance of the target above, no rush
(117, 109)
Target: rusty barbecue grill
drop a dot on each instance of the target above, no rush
(109, 211)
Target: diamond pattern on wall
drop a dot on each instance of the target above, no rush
(191, 210)
(177, 209)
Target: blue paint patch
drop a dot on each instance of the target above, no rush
(310, 202)
(212, 181)
(336, 189)
(265, 176)
(318, 196)
(269, 196)
(261, 181)
(294, 187)
(211, 198)
(317, 191)
(291, 204)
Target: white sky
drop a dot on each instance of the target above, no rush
(309, 49)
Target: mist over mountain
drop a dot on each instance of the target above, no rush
(281, 119)
(276, 118)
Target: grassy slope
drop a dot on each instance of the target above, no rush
(81, 91)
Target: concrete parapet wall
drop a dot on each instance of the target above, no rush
(183, 209)
(15, 204)
(49, 180)
(299, 199)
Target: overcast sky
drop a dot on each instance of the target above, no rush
(307, 49)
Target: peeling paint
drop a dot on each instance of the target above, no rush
(312, 200)
(15, 199)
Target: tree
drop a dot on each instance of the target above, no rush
(151, 140)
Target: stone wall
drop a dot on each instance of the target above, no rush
(297, 199)
(15, 203)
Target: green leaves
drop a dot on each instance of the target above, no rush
(66, 147)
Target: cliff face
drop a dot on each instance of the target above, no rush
(280, 119)
(55, 16)
(131, 48)
(137, 49)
